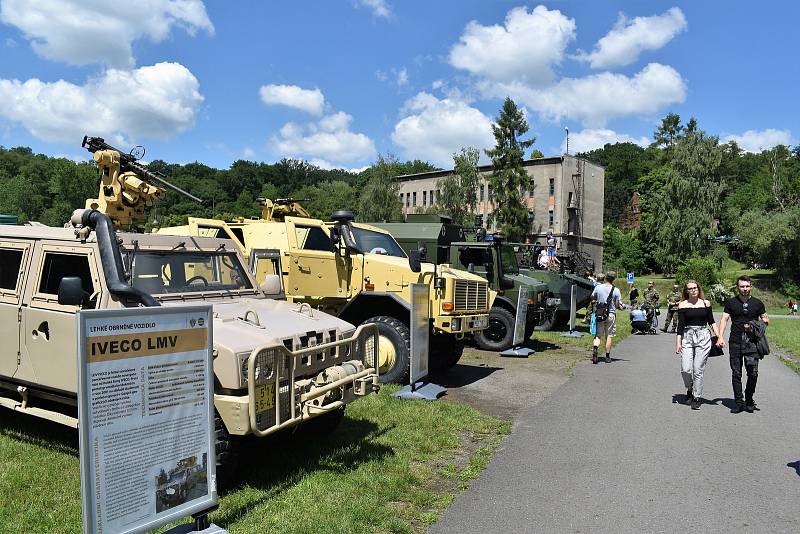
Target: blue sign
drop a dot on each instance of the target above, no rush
(630, 278)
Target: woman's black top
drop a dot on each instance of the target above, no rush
(694, 317)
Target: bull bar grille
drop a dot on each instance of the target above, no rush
(279, 366)
(471, 295)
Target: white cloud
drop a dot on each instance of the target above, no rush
(524, 49)
(589, 139)
(80, 32)
(158, 101)
(330, 139)
(629, 38)
(9, 43)
(379, 7)
(756, 141)
(595, 99)
(434, 129)
(402, 77)
(309, 100)
(248, 153)
(327, 165)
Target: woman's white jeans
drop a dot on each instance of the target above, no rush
(695, 347)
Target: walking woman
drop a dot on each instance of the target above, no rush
(693, 341)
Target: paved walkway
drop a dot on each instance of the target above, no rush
(615, 450)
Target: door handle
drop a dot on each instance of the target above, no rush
(42, 330)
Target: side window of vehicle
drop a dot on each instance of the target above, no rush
(239, 234)
(313, 238)
(58, 266)
(10, 261)
(207, 231)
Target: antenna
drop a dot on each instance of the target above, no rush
(567, 145)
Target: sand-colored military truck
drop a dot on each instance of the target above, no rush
(361, 274)
(445, 242)
(311, 363)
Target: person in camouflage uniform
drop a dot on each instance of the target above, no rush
(651, 298)
(673, 299)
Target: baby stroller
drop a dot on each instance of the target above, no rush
(643, 320)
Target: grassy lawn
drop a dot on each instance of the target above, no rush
(392, 466)
(785, 333)
(623, 331)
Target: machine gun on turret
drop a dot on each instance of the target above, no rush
(280, 208)
(126, 187)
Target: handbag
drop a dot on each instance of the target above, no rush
(715, 350)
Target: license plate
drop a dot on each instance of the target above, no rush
(265, 397)
(480, 323)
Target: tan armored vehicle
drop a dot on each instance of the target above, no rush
(359, 273)
(276, 363)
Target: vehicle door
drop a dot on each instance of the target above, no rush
(14, 258)
(316, 268)
(49, 339)
(214, 228)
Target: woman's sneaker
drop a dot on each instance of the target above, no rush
(695, 404)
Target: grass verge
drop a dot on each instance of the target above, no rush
(392, 466)
(785, 333)
(555, 338)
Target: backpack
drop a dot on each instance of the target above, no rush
(601, 308)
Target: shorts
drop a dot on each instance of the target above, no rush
(551, 252)
(607, 328)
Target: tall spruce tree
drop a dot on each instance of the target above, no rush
(457, 196)
(509, 178)
(380, 199)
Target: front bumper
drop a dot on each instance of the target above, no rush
(278, 396)
(461, 324)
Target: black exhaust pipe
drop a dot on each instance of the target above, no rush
(110, 256)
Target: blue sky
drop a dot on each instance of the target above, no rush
(338, 82)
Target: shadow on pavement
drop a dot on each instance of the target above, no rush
(462, 375)
(795, 465)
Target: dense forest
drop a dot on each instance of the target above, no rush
(700, 200)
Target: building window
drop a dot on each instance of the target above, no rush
(489, 189)
(438, 192)
(424, 198)
(552, 186)
(550, 219)
(431, 197)
(481, 197)
(408, 199)
(401, 199)
(414, 199)
(571, 200)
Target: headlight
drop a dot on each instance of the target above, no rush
(553, 301)
(347, 334)
(456, 322)
(262, 373)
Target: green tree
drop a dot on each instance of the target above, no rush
(509, 178)
(773, 239)
(682, 210)
(380, 200)
(668, 133)
(322, 199)
(457, 191)
(623, 251)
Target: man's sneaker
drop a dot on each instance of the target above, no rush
(750, 408)
(608, 358)
(739, 408)
(664, 330)
(695, 403)
(594, 354)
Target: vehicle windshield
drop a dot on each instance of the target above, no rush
(509, 259)
(159, 273)
(377, 243)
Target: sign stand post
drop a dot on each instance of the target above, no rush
(517, 350)
(573, 304)
(418, 389)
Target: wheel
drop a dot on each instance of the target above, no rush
(394, 349)
(500, 333)
(444, 352)
(228, 449)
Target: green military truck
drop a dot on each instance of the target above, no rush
(445, 243)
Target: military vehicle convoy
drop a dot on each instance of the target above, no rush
(276, 364)
(359, 273)
(493, 260)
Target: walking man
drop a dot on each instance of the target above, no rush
(673, 299)
(740, 310)
(606, 300)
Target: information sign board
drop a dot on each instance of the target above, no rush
(630, 278)
(420, 314)
(522, 316)
(145, 399)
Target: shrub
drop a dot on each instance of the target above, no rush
(719, 292)
(704, 270)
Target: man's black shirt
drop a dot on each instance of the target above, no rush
(742, 312)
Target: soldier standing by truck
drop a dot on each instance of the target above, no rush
(673, 299)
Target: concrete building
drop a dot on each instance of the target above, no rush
(566, 196)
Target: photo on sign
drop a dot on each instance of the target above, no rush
(181, 482)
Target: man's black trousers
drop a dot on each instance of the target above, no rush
(737, 360)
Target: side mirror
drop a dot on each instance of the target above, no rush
(423, 253)
(335, 236)
(471, 268)
(70, 291)
(506, 283)
(414, 261)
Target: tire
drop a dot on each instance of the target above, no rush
(228, 450)
(500, 333)
(444, 352)
(394, 346)
(550, 322)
